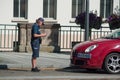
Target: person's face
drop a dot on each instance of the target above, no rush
(40, 23)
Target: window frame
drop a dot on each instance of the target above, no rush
(106, 8)
(49, 6)
(79, 7)
(19, 13)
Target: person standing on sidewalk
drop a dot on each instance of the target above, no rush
(36, 41)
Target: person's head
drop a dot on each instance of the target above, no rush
(40, 21)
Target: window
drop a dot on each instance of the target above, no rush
(49, 8)
(106, 8)
(20, 8)
(78, 6)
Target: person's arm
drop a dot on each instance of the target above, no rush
(39, 35)
(35, 30)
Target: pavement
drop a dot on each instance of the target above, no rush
(46, 61)
(18, 67)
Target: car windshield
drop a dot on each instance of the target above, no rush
(113, 35)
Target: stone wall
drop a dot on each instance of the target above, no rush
(50, 43)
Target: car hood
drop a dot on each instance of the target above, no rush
(82, 46)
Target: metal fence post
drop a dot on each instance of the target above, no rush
(87, 21)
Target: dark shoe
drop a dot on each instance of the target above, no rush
(35, 69)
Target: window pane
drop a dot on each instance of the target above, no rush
(45, 8)
(109, 7)
(73, 8)
(106, 8)
(26, 9)
(102, 8)
(55, 9)
(16, 8)
(52, 8)
(81, 6)
(49, 8)
(78, 6)
(22, 8)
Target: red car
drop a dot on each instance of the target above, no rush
(103, 53)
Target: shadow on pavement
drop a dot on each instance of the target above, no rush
(5, 67)
(78, 70)
(25, 70)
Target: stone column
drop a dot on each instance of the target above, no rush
(28, 37)
(22, 37)
(50, 43)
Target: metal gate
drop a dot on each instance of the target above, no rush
(8, 37)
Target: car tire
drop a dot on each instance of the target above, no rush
(112, 63)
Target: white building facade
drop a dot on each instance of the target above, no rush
(62, 11)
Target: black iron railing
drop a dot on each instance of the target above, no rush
(68, 35)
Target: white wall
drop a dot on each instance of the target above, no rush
(95, 5)
(35, 9)
(64, 11)
(6, 11)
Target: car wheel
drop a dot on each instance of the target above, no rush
(112, 63)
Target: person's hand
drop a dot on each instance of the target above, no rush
(43, 34)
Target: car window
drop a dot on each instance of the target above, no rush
(115, 34)
(118, 34)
